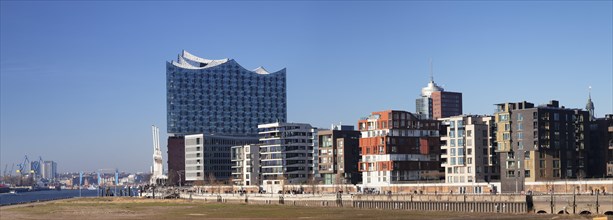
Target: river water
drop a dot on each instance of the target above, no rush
(24, 197)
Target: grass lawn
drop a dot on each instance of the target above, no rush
(131, 208)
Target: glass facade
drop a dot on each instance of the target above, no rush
(221, 97)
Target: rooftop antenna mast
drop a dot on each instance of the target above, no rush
(431, 72)
(589, 90)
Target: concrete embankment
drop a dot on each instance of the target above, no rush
(518, 204)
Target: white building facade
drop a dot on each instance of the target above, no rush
(468, 149)
(246, 165)
(194, 157)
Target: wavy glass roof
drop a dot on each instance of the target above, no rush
(187, 60)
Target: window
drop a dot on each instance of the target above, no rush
(452, 133)
(527, 173)
(520, 145)
(469, 133)
(469, 160)
(520, 127)
(197, 140)
(507, 127)
(520, 117)
(452, 150)
(506, 136)
(460, 151)
(469, 151)
(452, 143)
(542, 163)
(556, 164)
(469, 170)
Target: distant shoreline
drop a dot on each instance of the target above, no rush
(36, 202)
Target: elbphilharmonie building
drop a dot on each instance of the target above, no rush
(222, 97)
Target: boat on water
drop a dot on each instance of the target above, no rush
(91, 187)
(4, 188)
(12, 192)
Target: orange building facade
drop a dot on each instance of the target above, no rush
(398, 147)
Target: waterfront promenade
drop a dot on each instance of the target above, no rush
(500, 203)
(142, 208)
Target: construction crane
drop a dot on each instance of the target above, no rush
(23, 166)
(6, 167)
(36, 165)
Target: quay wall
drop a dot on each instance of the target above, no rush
(501, 203)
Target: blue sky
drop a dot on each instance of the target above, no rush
(81, 82)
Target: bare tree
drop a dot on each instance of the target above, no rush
(312, 181)
(210, 181)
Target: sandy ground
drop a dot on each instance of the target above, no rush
(132, 208)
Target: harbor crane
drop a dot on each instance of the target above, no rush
(23, 166)
(36, 165)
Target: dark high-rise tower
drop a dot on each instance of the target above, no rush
(434, 102)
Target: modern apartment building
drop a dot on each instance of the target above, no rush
(601, 157)
(540, 143)
(246, 165)
(434, 102)
(287, 153)
(339, 154)
(207, 157)
(221, 97)
(468, 149)
(601, 136)
(49, 170)
(397, 146)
